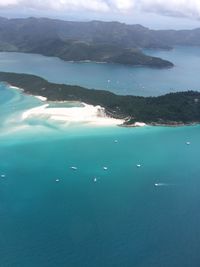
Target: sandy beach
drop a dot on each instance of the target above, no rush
(16, 88)
(87, 114)
(42, 98)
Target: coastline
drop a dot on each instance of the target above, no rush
(62, 114)
(93, 115)
(101, 118)
(170, 110)
(42, 98)
(174, 124)
(14, 87)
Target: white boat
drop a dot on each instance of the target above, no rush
(188, 143)
(74, 168)
(116, 141)
(105, 168)
(3, 175)
(139, 165)
(57, 180)
(95, 179)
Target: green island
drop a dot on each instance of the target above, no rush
(80, 41)
(80, 51)
(96, 41)
(181, 108)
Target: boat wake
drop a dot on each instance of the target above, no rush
(163, 184)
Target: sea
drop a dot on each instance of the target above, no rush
(132, 198)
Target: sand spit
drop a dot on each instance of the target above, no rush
(88, 114)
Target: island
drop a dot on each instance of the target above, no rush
(79, 51)
(181, 108)
(96, 41)
(79, 41)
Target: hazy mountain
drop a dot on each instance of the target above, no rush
(95, 40)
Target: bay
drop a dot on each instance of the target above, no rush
(117, 78)
(52, 215)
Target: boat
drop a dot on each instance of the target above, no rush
(116, 141)
(105, 168)
(3, 175)
(95, 179)
(57, 180)
(188, 143)
(74, 168)
(138, 165)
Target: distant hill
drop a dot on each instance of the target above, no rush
(110, 42)
(16, 30)
(96, 41)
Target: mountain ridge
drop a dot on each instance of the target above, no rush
(111, 42)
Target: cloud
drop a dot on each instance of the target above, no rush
(5, 3)
(122, 5)
(184, 8)
(58, 5)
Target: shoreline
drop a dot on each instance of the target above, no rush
(54, 114)
(165, 63)
(14, 87)
(41, 98)
(154, 124)
(170, 110)
(94, 115)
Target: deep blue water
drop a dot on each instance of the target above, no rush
(123, 219)
(116, 78)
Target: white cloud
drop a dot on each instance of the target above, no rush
(188, 8)
(8, 2)
(95, 5)
(122, 5)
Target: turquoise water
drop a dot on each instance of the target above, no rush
(122, 219)
(117, 78)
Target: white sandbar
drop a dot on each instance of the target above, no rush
(42, 98)
(139, 124)
(86, 114)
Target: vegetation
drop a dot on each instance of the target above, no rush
(77, 41)
(96, 41)
(82, 51)
(173, 108)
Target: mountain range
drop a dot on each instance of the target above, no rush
(110, 42)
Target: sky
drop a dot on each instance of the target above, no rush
(155, 14)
